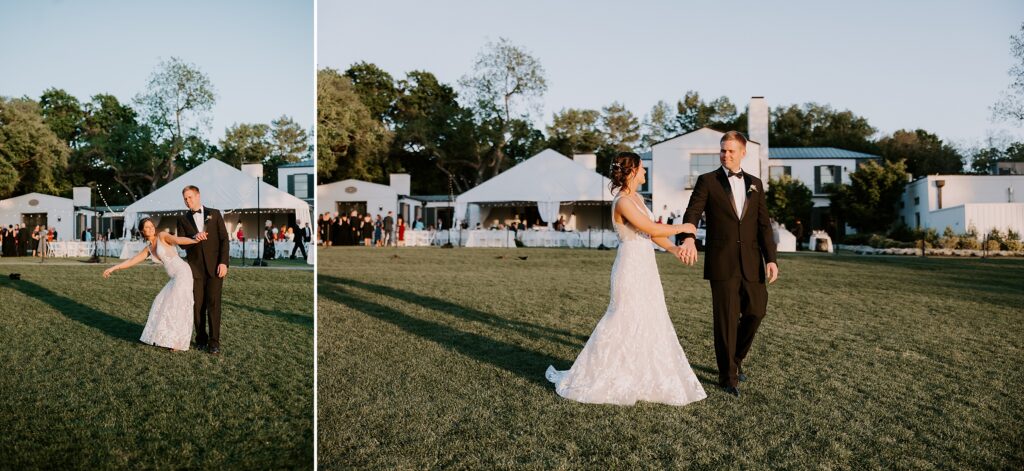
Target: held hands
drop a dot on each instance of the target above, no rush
(222, 270)
(200, 236)
(773, 272)
(687, 253)
(687, 228)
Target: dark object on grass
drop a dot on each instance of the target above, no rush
(15, 276)
(523, 257)
(500, 257)
(394, 256)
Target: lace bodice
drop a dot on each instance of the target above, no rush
(625, 230)
(167, 256)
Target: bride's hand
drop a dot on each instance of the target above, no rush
(688, 228)
(108, 272)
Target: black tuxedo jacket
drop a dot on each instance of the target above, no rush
(734, 246)
(213, 251)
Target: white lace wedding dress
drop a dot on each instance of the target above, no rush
(633, 353)
(170, 318)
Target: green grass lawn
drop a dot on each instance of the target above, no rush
(434, 358)
(79, 390)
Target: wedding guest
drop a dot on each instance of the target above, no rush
(341, 231)
(290, 235)
(418, 225)
(268, 241)
(400, 228)
(378, 232)
(367, 230)
(301, 237)
(240, 235)
(389, 229)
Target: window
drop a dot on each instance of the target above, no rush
(825, 175)
(701, 164)
(917, 201)
(917, 219)
(299, 184)
(776, 172)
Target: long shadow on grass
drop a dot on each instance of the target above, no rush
(113, 326)
(299, 319)
(528, 364)
(528, 329)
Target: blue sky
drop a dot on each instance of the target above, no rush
(936, 65)
(258, 54)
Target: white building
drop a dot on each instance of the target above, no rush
(297, 179)
(37, 209)
(961, 201)
(674, 164)
(374, 199)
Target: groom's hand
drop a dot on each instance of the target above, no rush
(222, 270)
(688, 251)
(773, 272)
(200, 236)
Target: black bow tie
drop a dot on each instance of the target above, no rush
(198, 211)
(735, 174)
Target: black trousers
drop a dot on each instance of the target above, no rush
(738, 305)
(207, 311)
(299, 246)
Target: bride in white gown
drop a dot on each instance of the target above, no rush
(171, 315)
(633, 353)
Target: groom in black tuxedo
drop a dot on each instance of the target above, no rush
(740, 255)
(209, 262)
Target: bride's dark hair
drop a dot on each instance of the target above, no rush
(623, 165)
(143, 222)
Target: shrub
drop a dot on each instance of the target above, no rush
(949, 239)
(993, 245)
(1012, 235)
(1015, 245)
(857, 239)
(968, 243)
(903, 233)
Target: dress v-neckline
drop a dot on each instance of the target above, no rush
(152, 251)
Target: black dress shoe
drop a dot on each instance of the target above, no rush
(731, 390)
(215, 350)
(201, 347)
(742, 377)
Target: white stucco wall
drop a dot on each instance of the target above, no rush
(60, 212)
(379, 199)
(959, 190)
(803, 170)
(671, 167)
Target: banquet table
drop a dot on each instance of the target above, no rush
(487, 238)
(418, 238)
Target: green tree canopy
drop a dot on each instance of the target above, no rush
(815, 125)
(31, 153)
(870, 202)
(789, 201)
(923, 152)
(350, 142)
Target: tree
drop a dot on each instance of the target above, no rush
(525, 141)
(439, 139)
(63, 113)
(507, 82)
(31, 154)
(246, 143)
(984, 160)
(115, 146)
(814, 125)
(1011, 106)
(658, 125)
(620, 127)
(924, 153)
(288, 144)
(575, 131)
(789, 201)
(350, 143)
(869, 202)
(692, 113)
(175, 105)
(375, 87)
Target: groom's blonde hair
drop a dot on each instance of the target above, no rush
(190, 187)
(729, 136)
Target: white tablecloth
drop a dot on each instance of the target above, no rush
(418, 238)
(486, 238)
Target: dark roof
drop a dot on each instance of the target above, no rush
(431, 198)
(301, 163)
(816, 153)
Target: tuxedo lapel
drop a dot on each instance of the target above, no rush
(720, 175)
(747, 182)
(191, 220)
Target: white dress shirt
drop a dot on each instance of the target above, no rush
(739, 192)
(198, 218)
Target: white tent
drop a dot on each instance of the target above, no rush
(221, 187)
(548, 179)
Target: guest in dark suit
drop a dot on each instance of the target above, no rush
(301, 236)
(209, 262)
(739, 255)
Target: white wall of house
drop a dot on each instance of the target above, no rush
(804, 170)
(379, 199)
(60, 212)
(921, 206)
(676, 164)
